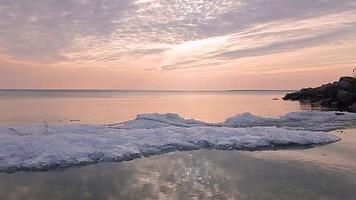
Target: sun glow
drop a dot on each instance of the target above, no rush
(195, 48)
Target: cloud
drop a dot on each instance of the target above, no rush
(174, 35)
(274, 37)
(47, 28)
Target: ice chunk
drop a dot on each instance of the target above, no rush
(156, 120)
(312, 120)
(248, 120)
(45, 146)
(66, 146)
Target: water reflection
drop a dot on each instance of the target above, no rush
(197, 175)
(339, 156)
(314, 106)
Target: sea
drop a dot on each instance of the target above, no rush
(323, 172)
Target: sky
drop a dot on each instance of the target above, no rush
(175, 44)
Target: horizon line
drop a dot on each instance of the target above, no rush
(137, 90)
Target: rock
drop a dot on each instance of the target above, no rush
(325, 102)
(349, 79)
(292, 96)
(324, 89)
(347, 86)
(340, 95)
(332, 90)
(307, 92)
(353, 107)
(334, 104)
(315, 100)
(345, 97)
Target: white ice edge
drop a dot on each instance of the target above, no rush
(43, 146)
(309, 120)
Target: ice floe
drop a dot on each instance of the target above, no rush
(46, 146)
(312, 121)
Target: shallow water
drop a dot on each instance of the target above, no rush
(326, 172)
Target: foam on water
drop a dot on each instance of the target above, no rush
(45, 146)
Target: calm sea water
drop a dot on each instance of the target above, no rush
(26, 106)
(326, 172)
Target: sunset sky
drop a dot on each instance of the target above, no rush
(175, 44)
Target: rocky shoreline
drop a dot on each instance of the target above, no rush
(340, 95)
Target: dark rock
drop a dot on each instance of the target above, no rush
(351, 80)
(325, 102)
(314, 100)
(292, 96)
(345, 97)
(332, 90)
(306, 101)
(307, 92)
(324, 90)
(347, 86)
(335, 104)
(353, 107)
(339, 95)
